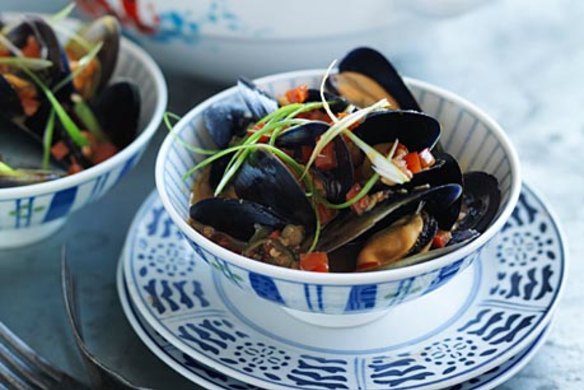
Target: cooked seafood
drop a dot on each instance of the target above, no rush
(345, 179)
(61, 111)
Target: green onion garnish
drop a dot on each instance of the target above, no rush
(26, 62)
(65, 119)
(62, 14)
(48, 139)
(82, 64)
(170, 127)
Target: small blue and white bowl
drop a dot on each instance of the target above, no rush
(32, 213)
(336, 299)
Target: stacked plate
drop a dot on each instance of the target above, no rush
(473, 333)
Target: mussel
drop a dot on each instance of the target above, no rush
(366, 76)
(83, 120)
(340, 204)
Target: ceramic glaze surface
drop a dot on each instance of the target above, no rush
(215, 380)
(508, 298)
(467, 133)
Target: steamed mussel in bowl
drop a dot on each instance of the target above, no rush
(62, 112)
(347, 177)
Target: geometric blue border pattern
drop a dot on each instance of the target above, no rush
(177, 294)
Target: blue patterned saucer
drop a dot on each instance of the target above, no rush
(491, 312)
(211, 379)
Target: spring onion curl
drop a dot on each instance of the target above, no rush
(68, 123)
(48, 139)
(167, 117)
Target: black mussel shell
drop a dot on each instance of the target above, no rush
(237, 218)
(337, 181)
(264, 179)
(106, 30)
(480, 201)
(445, 171)
(225, 120)
(350, 226)
(375, 66)
(9, 100)
(305, 134)
(417, 131)
(117, 109)
(336, 103)
(47, 40)
(259, 102)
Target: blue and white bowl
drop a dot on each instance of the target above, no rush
(469, 134)
(31, 213)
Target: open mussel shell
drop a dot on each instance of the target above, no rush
(9, 100)
(21, 148)
(117, 109)
(46, 38)
(446, 170)
(305, 134)
(336, 103)
(480, 201)
(336, 181)
(106, 30)
(417, 131)
(259, 102)
(366, 76)
(265, 179)
(224, 120)
(237, 218)
(350, 226)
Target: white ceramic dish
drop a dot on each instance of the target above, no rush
(492, 312)
(469, 134)
(211, 379)
(221, 40)
(31, 213)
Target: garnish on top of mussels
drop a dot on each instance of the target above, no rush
(346, 178)
(60, 113)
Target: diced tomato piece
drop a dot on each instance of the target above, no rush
(264, 138)
(427, 158)
(327, 158)
(275, 234)
(298, 94)
(413, 162)
(75, 167)
(59, 150)
(32, 48)
(102, 151)
(362, 204)
(325, 215)
(315, 261)
(441, 239)
(400, 152)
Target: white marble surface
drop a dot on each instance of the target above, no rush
(520, 60)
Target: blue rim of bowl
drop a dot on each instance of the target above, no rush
(126, 153)
(354, 278)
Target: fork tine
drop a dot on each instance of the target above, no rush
(11, 381)
(28, 354)
(19, 367)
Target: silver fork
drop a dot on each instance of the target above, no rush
(101, 376)
(22, 368)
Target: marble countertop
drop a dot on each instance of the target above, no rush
(523, 63)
